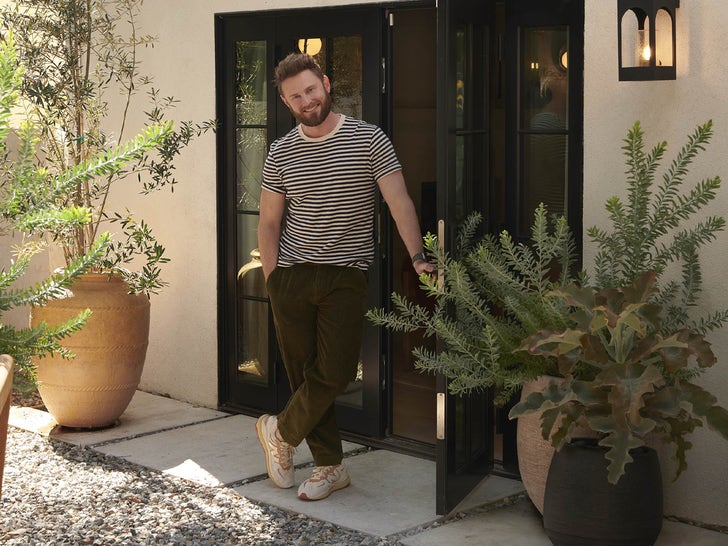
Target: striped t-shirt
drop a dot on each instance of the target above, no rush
(330, 187)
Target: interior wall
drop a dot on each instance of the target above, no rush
(667, 110)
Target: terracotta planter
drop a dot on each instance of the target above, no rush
(93, 389)
(535, 453)
(6, 387)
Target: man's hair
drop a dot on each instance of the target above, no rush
(293, 64)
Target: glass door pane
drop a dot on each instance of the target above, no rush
(544, 122)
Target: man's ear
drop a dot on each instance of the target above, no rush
(327, 84)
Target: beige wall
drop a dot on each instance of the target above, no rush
(668, 111)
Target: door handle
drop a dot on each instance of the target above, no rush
(441, 247)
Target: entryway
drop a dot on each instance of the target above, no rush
(482, 101)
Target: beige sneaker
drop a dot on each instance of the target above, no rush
(324, 481)
(278, 454)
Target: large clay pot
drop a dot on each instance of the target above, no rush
(93, 389)
(583, 509)
(534, 453)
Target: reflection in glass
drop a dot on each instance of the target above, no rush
(544, 118)
(354, 393)
(341, 59)
(252, 340)
(252, 149)
(247, 237)
(250, 83)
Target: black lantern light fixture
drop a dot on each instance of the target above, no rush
(646, 30)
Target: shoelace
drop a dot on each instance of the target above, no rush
(283, 452)
(322, 473)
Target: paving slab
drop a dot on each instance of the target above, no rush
(521, 524)
(146, 413)
(491, 489)
(515, 525)
(389, 493)
(218, 452)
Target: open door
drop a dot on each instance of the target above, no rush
(464, 447)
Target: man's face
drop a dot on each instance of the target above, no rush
(307, 97)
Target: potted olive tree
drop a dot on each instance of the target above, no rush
(29, 196)
(75, 54)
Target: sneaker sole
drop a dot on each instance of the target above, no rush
(261, 439)
(336, 487)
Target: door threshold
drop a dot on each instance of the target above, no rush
(395, 444)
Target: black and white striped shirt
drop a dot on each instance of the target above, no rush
(330, 187)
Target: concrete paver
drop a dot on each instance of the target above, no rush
(218, 452)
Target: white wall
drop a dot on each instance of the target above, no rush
(668, 110)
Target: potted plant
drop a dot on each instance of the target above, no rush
(627, 378)
(495, 293)
(29, 196)
(75, 52)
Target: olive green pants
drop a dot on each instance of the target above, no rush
(318, 312)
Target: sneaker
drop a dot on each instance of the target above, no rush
(324, 481)
(278, 454)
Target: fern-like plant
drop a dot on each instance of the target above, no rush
(656, 227)
(29, 197)
(495, 293)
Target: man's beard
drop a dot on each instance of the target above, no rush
(312, 119)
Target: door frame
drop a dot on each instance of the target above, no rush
(279, 28)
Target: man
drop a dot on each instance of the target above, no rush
(322, 177)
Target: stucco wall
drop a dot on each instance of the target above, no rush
(668, 110)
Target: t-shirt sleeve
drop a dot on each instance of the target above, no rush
(384, 159)
(272, 180)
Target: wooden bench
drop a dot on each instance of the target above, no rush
(6, 387)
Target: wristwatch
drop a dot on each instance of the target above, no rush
(419, 256)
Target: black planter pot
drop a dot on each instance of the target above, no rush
(581, 508)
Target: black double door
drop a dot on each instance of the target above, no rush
(441, 81)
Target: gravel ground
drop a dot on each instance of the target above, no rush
(55, 493)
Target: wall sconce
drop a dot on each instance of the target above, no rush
(646, 30)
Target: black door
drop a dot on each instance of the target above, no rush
(464, 423)
(347, 44)
(510, 131)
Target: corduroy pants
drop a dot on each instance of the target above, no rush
(318, 312)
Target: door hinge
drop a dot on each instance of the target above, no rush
(384, 75)
(384, 373)
(391, 19)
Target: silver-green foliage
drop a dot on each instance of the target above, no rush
(31, 200)
(495, 293)
(656, 227)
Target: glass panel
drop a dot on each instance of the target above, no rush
(247, 243)
(636, 39)
(354, 393)
(251, 83)
(341, 59)
(252, 148)
(544, 175)
(544, 79)
(663, 38)
(544, 118)
(252, 334)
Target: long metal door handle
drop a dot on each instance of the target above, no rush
(441, 247)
